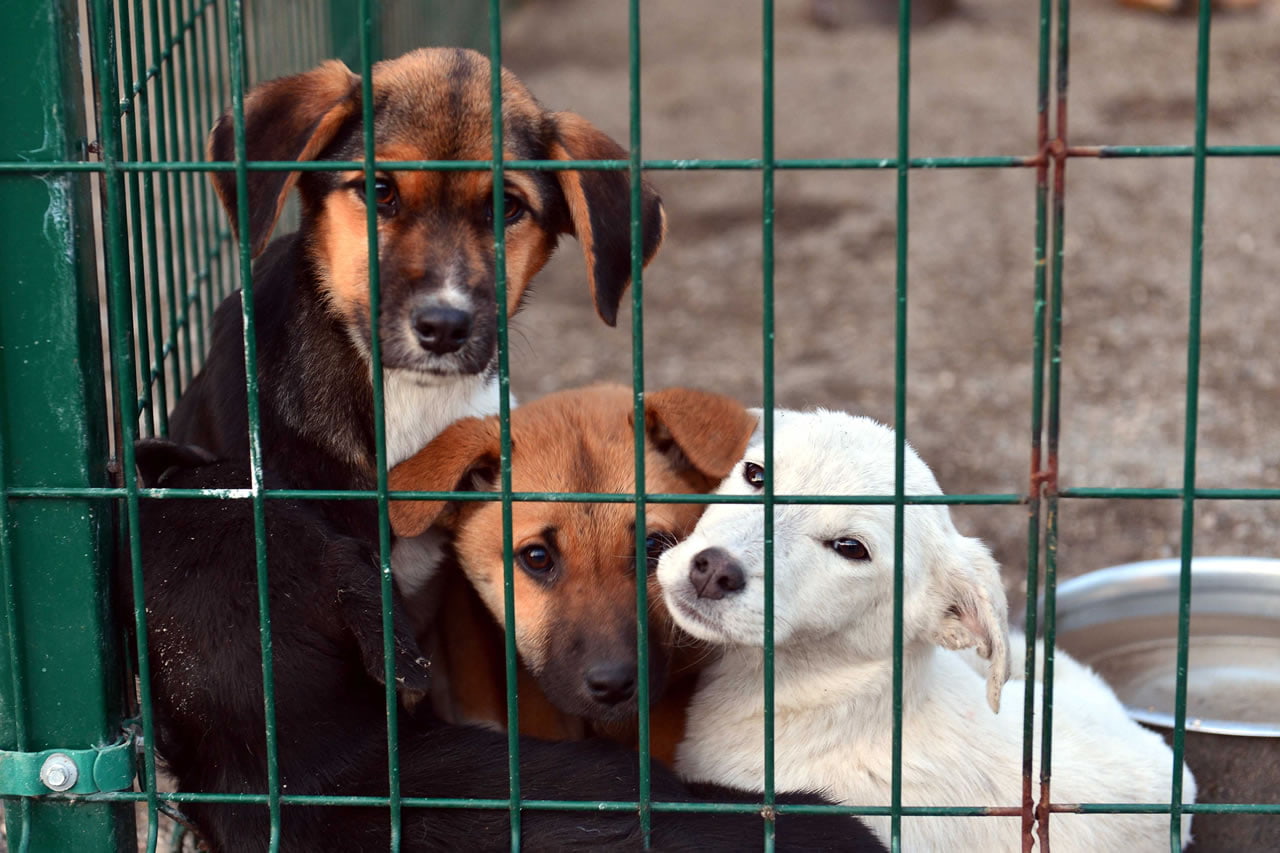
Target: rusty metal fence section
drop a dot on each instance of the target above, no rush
(162, 71)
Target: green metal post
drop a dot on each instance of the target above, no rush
(59, 687)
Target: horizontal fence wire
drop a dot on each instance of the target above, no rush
(664, 806)
(53, 492)
(667, 165)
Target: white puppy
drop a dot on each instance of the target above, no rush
(833, 636)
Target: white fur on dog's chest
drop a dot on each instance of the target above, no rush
(417, 412)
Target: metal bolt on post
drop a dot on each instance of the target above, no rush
(59, 772)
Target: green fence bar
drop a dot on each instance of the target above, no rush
(1053, 422)
(236, 38)
(1190, 428)
(60, 683)
(767, 179)
(504, 412)
(636, 239)
(900, 408)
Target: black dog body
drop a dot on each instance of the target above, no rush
(330, 703)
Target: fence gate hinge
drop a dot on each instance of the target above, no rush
(67, 771)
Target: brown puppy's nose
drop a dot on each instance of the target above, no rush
(715, 574)
(441, 330)
(611, 683)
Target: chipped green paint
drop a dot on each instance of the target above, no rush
(58, 688)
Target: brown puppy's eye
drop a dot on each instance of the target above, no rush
(850, 548)
(656, 544)
(385, 194)
(513, 209)
(753, 474)
(536, 560)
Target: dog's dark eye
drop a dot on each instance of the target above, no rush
(513, 209)
(656, 544)
(850, 548)
(536, 559)
(753, 474)
(385, 194)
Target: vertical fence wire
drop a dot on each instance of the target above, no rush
(171, 223)
(237, 44)
(1191, 422)
(1054, 420)
(636, 238)
(903, 168)
(120, 294)
(1036, 483)
(504, 414)
(184, 309)
(128, 107)
(196, 112)
(367, 58)
(767, 345)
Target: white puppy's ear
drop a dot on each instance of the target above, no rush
(976, 612)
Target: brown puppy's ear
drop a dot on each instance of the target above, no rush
(462, 458)
(292, 118)
(699, 429)
(600, 211)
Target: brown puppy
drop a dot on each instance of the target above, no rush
(437, 318)
(574, 563)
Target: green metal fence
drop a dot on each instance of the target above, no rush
(107, 208)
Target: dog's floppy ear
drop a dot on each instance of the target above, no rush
(462, 458)
(355, 578)
(600, 211)
(156, 457)
(699, 429)
(976, 611)
(292, 118)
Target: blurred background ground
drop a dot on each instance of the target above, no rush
(971, 245)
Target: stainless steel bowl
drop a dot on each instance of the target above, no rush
(1123, 622)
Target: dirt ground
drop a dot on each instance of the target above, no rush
(971, 258)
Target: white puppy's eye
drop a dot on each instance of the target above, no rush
(753, 474)
(850, 548)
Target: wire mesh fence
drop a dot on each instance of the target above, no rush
(162, 73)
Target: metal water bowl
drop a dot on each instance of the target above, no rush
(1123, 622)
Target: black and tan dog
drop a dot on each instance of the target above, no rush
(200, 592)
(437, 318)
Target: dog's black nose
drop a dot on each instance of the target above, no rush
(611, 683)
(441, 330)
(715, 574)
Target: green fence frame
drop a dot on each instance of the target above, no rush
(163, 70)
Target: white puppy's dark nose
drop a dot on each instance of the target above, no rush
(715, 574)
